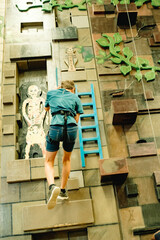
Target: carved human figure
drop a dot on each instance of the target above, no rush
(33, 113)
(71, 59)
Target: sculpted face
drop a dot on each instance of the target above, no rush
(33, 91)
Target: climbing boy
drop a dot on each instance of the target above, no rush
(65, 109)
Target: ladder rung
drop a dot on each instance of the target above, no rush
(87, 104)
(88, 127)
(87, 115)
(91, 151)
(84, 93)
(89, 139)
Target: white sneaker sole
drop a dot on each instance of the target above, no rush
(62, 198)
(52, 200)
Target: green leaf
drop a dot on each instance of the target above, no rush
(125, 69)
(117, 38)
(116, 60)
(100, 61)
(100, 1)
(103, 42)
(142, 62)
(88, 59)
(82, 7)
(127, 52)
(103, 53)
(139, 3)
(138, 76)
(47, 7)
(155, 3)
(125, 2)
(115, 2)
(150, 76)
(159, 61)
(117, 49)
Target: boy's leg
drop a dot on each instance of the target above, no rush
(66, 168)
(49, 170)
(49, 166)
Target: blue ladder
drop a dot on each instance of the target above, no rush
(94, 127)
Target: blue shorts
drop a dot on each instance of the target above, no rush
(157, 236)
(56, 134)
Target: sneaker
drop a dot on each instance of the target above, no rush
(63, 196)
(52, 196)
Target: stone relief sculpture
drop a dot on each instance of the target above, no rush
(34, 113)
(71, 59)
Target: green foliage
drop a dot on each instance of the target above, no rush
(117, 57)
(142, 62)
(150, 76)
(103, 42)
(128, 53)
(138, 75)
(87, 55)
(116, 60)
(125, 69)
(117, 38)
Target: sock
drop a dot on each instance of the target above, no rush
(63, 190)
(50, 186)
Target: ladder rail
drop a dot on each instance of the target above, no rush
(95, 127)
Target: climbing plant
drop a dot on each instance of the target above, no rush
(86, 52)
(124, 58)
(47, 5)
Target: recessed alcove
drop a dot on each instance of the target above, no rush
(31, 27)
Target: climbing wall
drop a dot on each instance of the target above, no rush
(114, 47)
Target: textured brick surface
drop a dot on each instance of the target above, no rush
(134, 165)
(104, 232)
(142, 149)
(113, 170)
(151, 214)
(92, 177)
(76, 213)
(9, 127)
(9, 193)
(32, 191)
(73, 183)
(156, 175)
(146, 190)
(30, 51)
(79, 175)
(75, 76)
(104, 196)
(27, 237)
(5, 219)
(7, 154)
(17, 211)
(124, 111)
(131, 218)
(18, 170)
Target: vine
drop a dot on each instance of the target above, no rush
(47, 5)
(116, 57)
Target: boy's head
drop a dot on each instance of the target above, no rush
(68, 84)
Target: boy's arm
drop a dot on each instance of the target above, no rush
(77, 117)
(47, 109)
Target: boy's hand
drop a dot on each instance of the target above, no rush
(47, 109)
